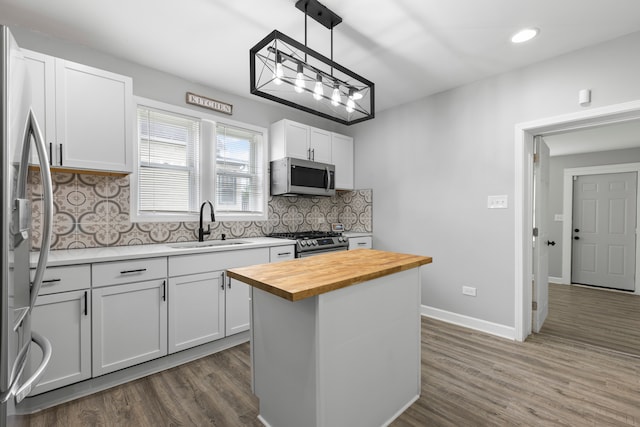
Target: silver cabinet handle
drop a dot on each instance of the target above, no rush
(313, 154)
(222, 276)
(60, 160)
(164, 290)
(50, 282)
(284, 253)
(362, 243)
(86, 300)
(45, 345)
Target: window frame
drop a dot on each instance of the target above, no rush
(207, 166)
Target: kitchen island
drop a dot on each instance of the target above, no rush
(335, 338)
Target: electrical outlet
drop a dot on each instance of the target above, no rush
(498, 202)
(468, 290)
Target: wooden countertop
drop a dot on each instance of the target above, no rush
(307, 277)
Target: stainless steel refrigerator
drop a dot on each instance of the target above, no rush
(20, 132)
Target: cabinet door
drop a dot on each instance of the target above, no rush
(320, 145)
(41, 69)
(196, 310)
(65, 319)
(342, 158)
(129, 325)
(237, 307)
(296, 140)
(93, 118)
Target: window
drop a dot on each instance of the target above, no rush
(239, 171)
(185, 157)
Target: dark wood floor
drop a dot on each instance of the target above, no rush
(468, 379)
(594, 316)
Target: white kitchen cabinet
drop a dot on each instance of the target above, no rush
(62, 314)
(41, 69)
(129, 301)
(129, 324)
(320, 145)
(291, 139)
(204, 305)
(364, 242)
(342, 158)
(65, 319)
(282, 253)
(86, 113)
(237, 306)
(196, 310)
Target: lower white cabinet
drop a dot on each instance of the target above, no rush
(364, 242)
(129, 324)
(237, 306)
(196, 310)
(65, 319)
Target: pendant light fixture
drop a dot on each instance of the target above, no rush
(286, 71)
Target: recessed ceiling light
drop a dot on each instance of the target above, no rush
(524, 35)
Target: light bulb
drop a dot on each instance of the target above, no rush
(318, 90)
(299, 87)
(524, 35)
(279, 73)
(335, 96)
(350, 105)
(356, 95)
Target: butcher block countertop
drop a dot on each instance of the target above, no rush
(307, 277)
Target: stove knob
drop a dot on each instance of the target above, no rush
(303, 243)
(340, 239)
(315, 242)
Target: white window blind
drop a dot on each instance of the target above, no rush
(168, 150)
(239, 170)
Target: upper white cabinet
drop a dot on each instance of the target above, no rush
(291, 139)
(342, 158)
(85, 113)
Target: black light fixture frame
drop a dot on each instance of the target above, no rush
(327, 18)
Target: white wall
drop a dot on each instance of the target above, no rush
(432, 163)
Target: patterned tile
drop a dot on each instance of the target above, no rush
(94, 211)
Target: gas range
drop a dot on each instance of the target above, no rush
(315, 242)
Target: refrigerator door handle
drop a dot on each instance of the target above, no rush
(33, 380)
(33, 129)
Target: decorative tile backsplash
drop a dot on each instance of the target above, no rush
(93, 211)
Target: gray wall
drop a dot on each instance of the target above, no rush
(556, 183)
(432, 163)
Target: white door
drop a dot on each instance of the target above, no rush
(541, 240)
(604, 224)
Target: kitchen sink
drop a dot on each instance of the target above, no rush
(206, 244)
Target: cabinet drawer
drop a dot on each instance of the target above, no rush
(282, 253)
(119, 272)
(213, 261)
(63, 279)
(360, 243)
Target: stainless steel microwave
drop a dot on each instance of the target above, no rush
(291, 176)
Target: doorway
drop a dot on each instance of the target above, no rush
(524, 194)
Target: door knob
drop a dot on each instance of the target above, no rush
(576, 238)
(577, 230)
(551, 243)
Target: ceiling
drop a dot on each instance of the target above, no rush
(615, 136)
(408, 48)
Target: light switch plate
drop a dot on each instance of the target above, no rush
(498, 202)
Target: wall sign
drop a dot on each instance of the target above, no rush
(212, 104)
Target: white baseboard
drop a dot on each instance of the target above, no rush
(558, 280)
(469, 322)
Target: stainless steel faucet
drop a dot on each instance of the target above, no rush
(201, 232)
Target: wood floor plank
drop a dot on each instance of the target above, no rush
(468, 379)
(594, 316)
